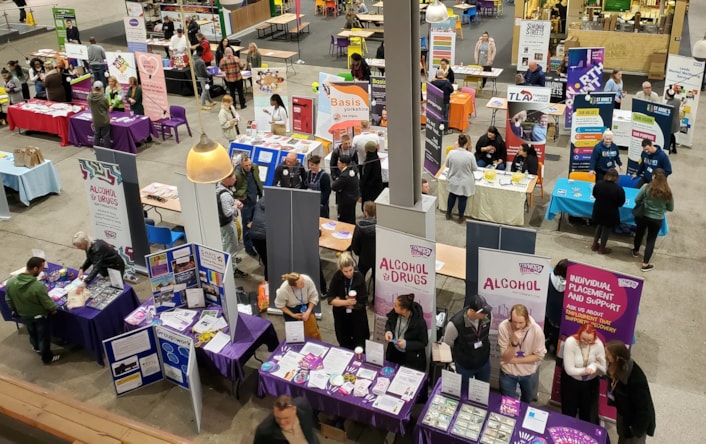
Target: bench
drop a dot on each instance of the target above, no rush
(263, 30)
(298, 30)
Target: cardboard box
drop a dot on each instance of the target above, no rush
(571, 43)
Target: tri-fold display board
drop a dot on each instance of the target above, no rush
(265, 158)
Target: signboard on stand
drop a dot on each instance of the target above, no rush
(585, 74)
(534, 43)
(135, 34)
(154, 87)
(649, 121)
(593, 114)
(378, 101)
(527, 120)
(268, 81)
(442, 44)
(684, 75)
(61, 15)
(434, 129)
(324, 117)
(302, 115)
(349, 106)
(121, 65)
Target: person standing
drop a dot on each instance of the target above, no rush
(319, 180)
(347, 190)
(484, 53)
(461, 164)
(192, 30)
(675, 103)
(22, 75)
(647, 93)
(290, 173)
(406, 334)
(447, 88)
(13, 87)
(278, 115)
(100, 255)
(203, 78)
(348, 296)
(248, 189)
(366, 135)
(652, 157)
(168, 30)
(491, 150)
(615, 85)
(21, 4)
(72, 34)
(29, 300)
(254, 58)
(468, 335)
(134, 97)
(605, 156)
(96, 60)
(360, 70)
(114, 94)
(258, 233)
(228, 117)
(584, 363)
(657, 199)
(629, 392)
(36, 74)
(363, 242)
(343, 149)
(606, 209)
(178, 44)
(220, 51)
(297, 297)
(521, 342)
(54, 83)
(291, 420)
(203, 43)
(232, 66)
(371, 175)
(100, 114)
(555, 304)
(227, 213)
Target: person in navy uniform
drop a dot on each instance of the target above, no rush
(605, 156)
(347, 190)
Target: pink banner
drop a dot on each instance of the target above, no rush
(154, 88)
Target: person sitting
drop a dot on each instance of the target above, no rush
(526, 160)
(445, 66)
(360, 7)
(360, 70)
(534, 76)
(490, 150)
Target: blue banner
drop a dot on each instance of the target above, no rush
(133, 360)
(593, 114)
(585, 74)
(649, 121)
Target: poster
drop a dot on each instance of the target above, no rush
(121, 65)
(534, 44)
(585, 73)
(591, 118)
(442, 44)
(104, 186)
(134, 9)
(649, 121)
(303, 115)
(608, 300)
(61, 15)
(378, 101)
(76, 51)
(324, 117)
(215, 27)
(684, 75)
(135, 34)
(434, 132)
(405, 264)
(175, 350)
(133, 360)
(154, 87)
(527, 119)
(265, 82)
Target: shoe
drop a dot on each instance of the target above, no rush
(243, 106)
(648, 267)
(212, 103)
(36, 350)
(603, 250)
(206, 108)
(149, 139)
(635, 253)
(674, 152)
(240, 273)
(461, 220)
(53, 359)
(594, 246)
(251, 253)
(448, 216)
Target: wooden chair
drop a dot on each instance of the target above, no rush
(583, 176)
(540, 183)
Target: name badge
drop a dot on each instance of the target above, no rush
(303, 308)
(609, 164)
(520, 354)
(610, 396)
(478, 344)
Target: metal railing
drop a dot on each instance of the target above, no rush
(29, 11)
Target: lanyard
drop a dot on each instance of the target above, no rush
(478, 331)
(586, 355)
(523, 340)
(348, 286)
(300, 298)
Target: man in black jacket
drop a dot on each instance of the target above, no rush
(72, 34)
(363, 243)
(168, 30)
(343, 149)
(291, 420)
(447, 88)
(467, 333)
(192, 28)
(347, 190)
(290, 173)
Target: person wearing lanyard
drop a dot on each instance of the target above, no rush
(348, 295)
(297, 297)
(278, 121)
(605, 156)
(584, 362)
(468, 336)
(406, 334)
(521, 342)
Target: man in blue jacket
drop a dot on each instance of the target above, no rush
(534, 76)
(605, 156)
(652, 157)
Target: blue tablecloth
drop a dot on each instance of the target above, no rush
(86, 326)
(556, 424)
(29, 182)
(575, 198)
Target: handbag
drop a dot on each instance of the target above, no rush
(639, 210)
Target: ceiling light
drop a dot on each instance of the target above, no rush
(436, 12)
(208, 162)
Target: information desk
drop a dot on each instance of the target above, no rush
(575, 198)
(251, 332)
(85, 326)
(333, 402)
(30, 183)
(126, 130)
(491, 75)
(492, 201)
(460, 107)
(43, 116)
(559, 428)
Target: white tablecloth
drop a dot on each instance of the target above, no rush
(29, 182)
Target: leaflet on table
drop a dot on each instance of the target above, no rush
(174, 322)
(478, 391)
(337, 360)
(217, 343)
(318, 379)
(314, 349)
(374, 353)
(406, 382)
(389, 404)
(288, 365)
(535, 420)
(451, 383)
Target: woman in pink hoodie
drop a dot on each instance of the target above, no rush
(484, 53)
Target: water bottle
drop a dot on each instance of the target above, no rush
(526, 175)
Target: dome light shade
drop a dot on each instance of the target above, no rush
(436, 12)
(699, 50)
(208, 162)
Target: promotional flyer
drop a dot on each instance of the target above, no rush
(585, 74)
(593, 114)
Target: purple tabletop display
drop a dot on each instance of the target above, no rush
(126, 130)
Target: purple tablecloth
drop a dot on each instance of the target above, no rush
(125, 130)
(337, 404)
(86, 326)
(250, 333)
(430, 435)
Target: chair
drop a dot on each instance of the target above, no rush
(422, 43)
(352, 50)
(472, 92)
(540, 182)
(264, 65)
(331, 4)
(583, 176)
(358, 41)
(478, 80)
(498, 7)
(279, 3)
(341, 44)
(459, 29)
(163, 235)
(178, 118)
(300, 136)
(447, 151)
(320, 7)
(470, 14)
(332, 45)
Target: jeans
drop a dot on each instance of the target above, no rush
(98, 71)
(40, 336)
(652, 226)
(38, 87)
(481, 374)
(483, 164)
(508, 386)
(247, 213)
(102, 133)
(205, 96)
(462, 200)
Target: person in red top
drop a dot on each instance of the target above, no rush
(206, 45)
(231, 66)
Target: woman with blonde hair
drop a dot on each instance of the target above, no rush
(348, 295)
(297, 297)
(114, 94)
(254, 57)
(228, 117)
(658, 199)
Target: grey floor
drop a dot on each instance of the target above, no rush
(669, 344)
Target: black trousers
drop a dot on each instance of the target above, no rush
(234, 87)
(346, 213)
(579, 397)
(652, 227)
(260, 246)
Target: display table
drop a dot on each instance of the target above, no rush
(469, 70)
(492, 202)
(460, 107)
(558, 426)
(43, 116)
(334, 403)
(85, 326)
(451, 261)
(327, 238)
(157, 196)
(574, 197)
(30, 183)
(126, 130)
(179, 81)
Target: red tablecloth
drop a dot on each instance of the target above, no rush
(17, 117)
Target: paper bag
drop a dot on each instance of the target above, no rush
(33, 157)
(19, 157)
(311, 328)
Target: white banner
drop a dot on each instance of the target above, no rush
(404, 264)
(76, 51)
(323, 107)
(104, 186)
(442, 45)
(135, 33)
(121, 65)
(534, 43)
(684, 75)
(134, 9)
(349, 106)
(265, 82)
